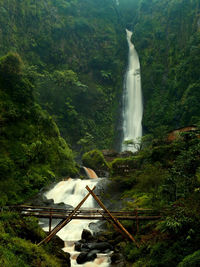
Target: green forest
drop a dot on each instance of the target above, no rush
(62, 67)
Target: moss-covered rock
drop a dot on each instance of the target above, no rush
(95, 160)
(123, 166)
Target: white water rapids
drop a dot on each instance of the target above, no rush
(72, 192)
(132, 101)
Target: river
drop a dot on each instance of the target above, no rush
(71, 192)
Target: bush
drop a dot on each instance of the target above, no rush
(95, 160)
(191, 260)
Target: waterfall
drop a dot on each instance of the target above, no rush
(72, 192)
(90, 173)
(132, 100)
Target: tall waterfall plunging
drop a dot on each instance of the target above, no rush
(71, 192)
(132, 100)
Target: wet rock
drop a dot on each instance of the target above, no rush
(84, 257)
(55, 247)
(106, 251)
(87, 235)
(85, 247)
(78, 246)
(102, 239)
(58, 241)
(82, 247)
(41, 200)
(96, 251)
(103, 246)
(110, 155)
(117, 259)
(92, 255)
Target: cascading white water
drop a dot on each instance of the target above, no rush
(132, 100)
(72, 192)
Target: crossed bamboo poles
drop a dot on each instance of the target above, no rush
(110, 218)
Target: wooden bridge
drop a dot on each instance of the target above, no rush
(66, 215)
(84, 214)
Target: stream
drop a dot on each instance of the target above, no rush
(71, 192)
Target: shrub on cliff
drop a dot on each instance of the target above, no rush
(95, 160)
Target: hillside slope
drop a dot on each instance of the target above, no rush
(167, 37)
(76, 53)
(32, 152)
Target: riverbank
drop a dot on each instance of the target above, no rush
(18, 239)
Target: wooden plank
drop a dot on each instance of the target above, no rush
(119, 225)
(66, 221)
(90, 217)
(50, 222)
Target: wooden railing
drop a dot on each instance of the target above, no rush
(84, 214)
(102, 213)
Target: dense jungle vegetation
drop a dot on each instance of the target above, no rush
(32, 151)
(74, 52)
(62, 64)
(167, 37)
(163, 176)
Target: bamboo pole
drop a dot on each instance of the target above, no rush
(110, 221)
(116, 222)
(66, 221)
(50, 221)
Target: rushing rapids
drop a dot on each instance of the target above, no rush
(71, 192)
(132, 100)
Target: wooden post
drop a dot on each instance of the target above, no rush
(116, 222)
(66, 221)
(50, 220)
(108, 219)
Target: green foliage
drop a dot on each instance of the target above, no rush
(123, 166)
(163, 176)
(167, 37)
(86, 143)
(95, 160)
(151, 180)
(191, 260)
(74, 52)
(11, 64)
(74, 56)
(32, 151)
(17, 243)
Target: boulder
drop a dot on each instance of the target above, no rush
(102, 246)
(117, 259)
(92, 255)
(84, 257)
(81, 246)
(78, 246)
(87, 235)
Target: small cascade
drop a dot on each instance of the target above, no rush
(90, 173)
(71, 192)
(132, 100)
